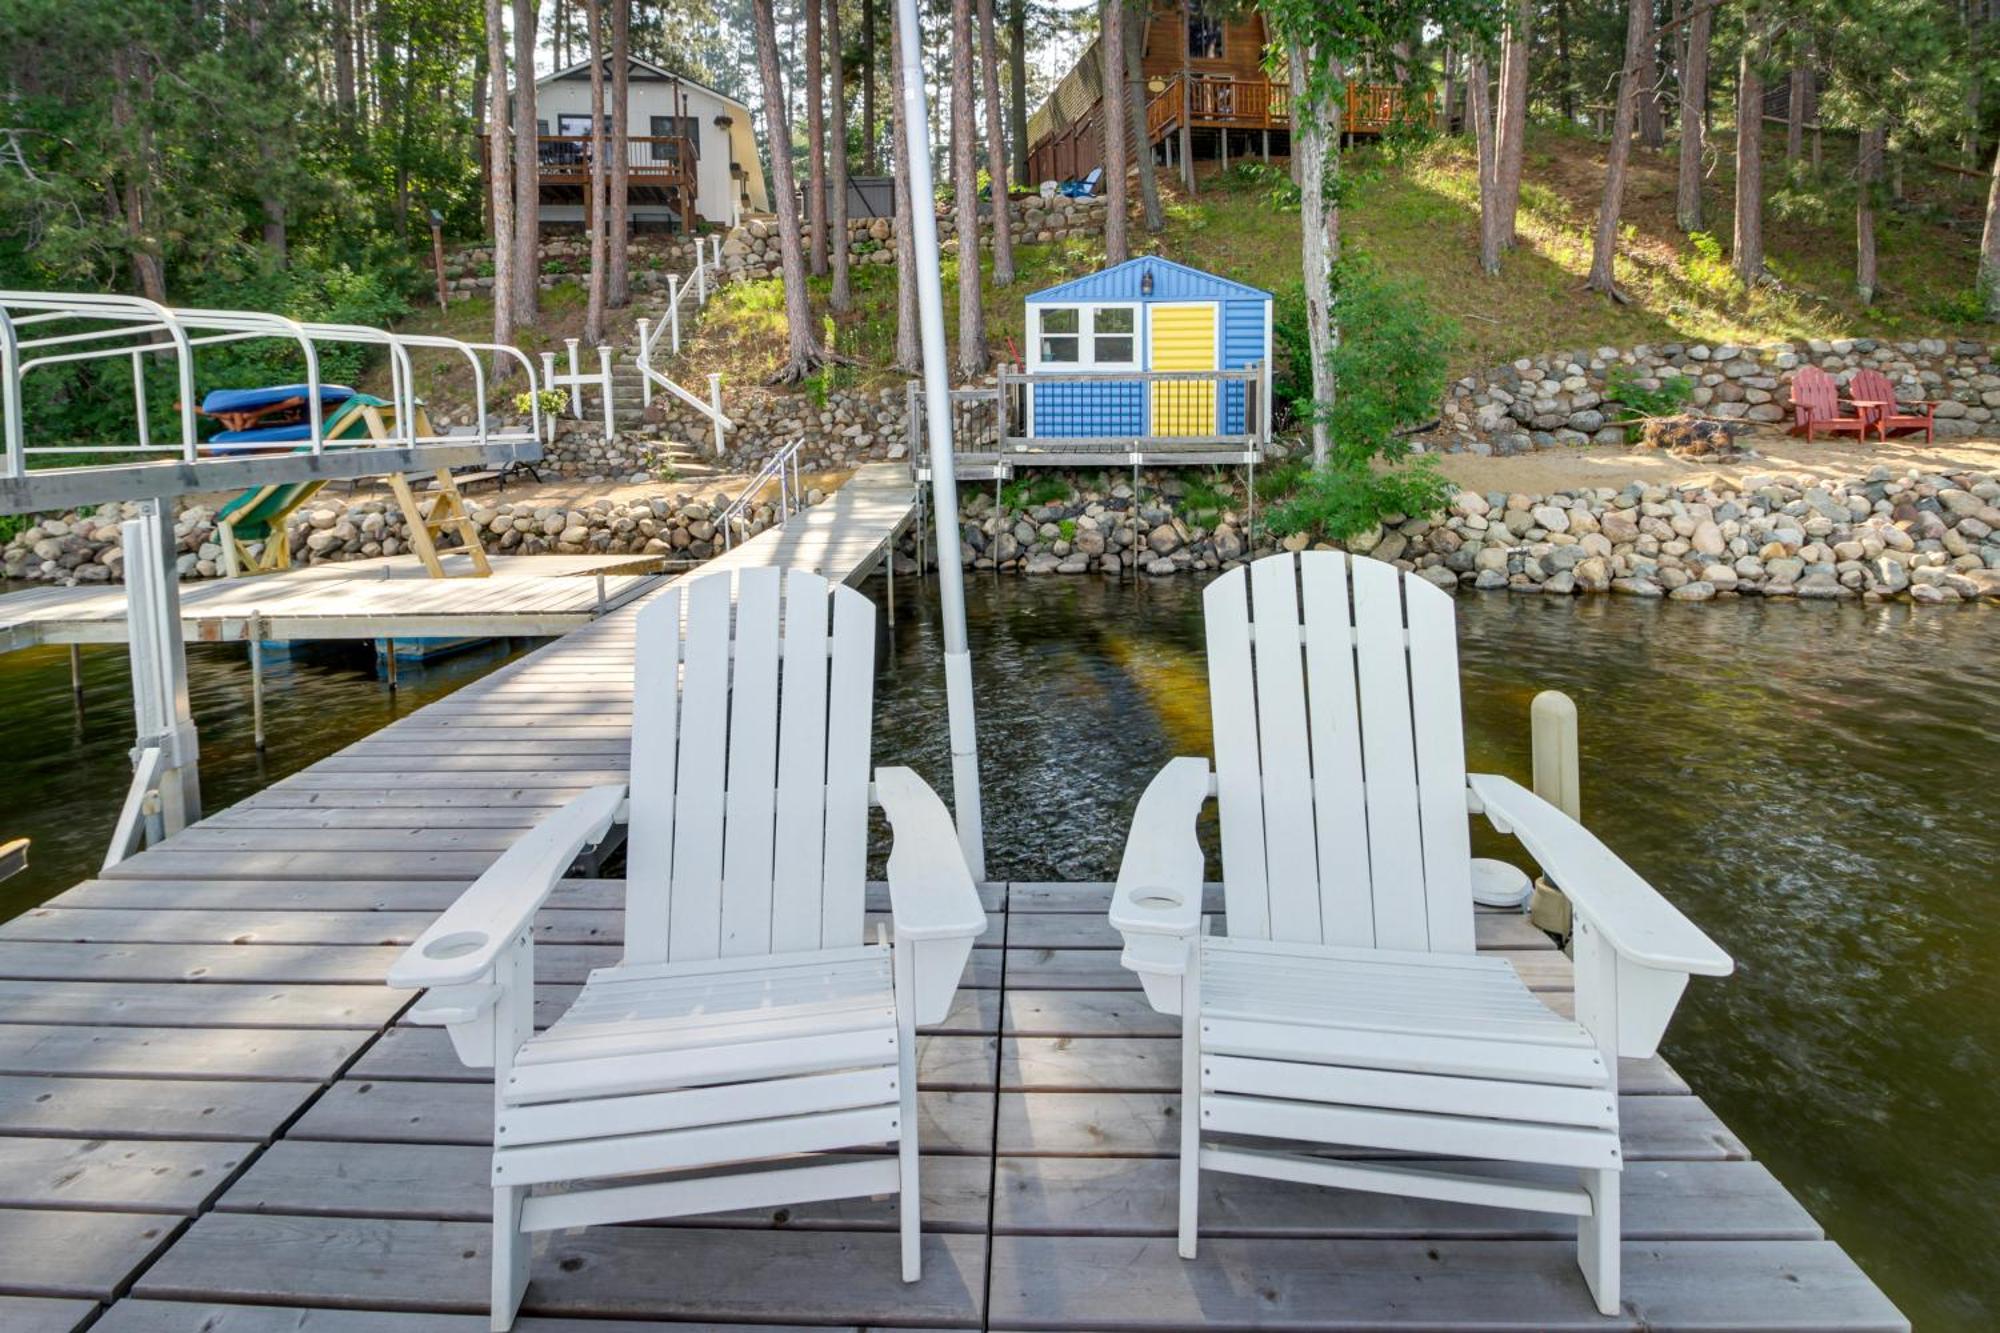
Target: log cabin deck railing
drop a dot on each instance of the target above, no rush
(652, 159)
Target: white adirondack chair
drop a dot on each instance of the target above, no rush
(750, 1020)
(1345, 1005)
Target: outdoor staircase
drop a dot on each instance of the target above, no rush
(691, 462)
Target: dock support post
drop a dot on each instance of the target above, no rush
(159, 665)
(889, 573)
(944, 465)
(76, 672)
(257, 678)
(389, 661)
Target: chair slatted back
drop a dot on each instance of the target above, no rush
(750, 749)
(1814, 395)
(1874, 386)
(1339, 754)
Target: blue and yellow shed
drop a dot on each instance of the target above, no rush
(1100, 346)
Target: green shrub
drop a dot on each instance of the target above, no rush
(1067, 529)
(1202, 500)
(1033, 492)
(1345, 498)
(1621, 385)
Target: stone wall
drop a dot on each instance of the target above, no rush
(1569, 398)
(752, 249)
(469, 272)
(77, 548)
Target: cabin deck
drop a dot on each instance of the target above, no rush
(212, 1115)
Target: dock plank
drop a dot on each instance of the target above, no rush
(160, 1052)
(158, 1316)
(118, 1175)
(73, 1253)
(147, 1108)
(177, 1004)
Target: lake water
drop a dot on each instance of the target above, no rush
(1817, 785)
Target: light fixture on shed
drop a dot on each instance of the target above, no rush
(1146, 282)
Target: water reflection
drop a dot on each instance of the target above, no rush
(1814, 784)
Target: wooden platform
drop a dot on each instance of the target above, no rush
(527, 595)
(212, 1118)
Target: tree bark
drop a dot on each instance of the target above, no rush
(870, 163)
(1319, 227)
(1487, 155)
(593, 212)
(343, 63)
(1867, 179)
(996, 149)
(1111, 107)
(527, 172)
(909, 343)
(619, 280)
(1511, 139)
(1694, 119)
(1652, 124)
(500, 154)
(1989, 246)
(126, 198)
(1795, 114)
(1017, 87)
(838, 241)
(972, 357)
(1563, 63)
(1187, 96)
(803, 354)
(1135, 111)
(815, 91)
(1618, 157)
(1748, 257)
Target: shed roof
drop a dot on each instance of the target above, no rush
(1171, 282)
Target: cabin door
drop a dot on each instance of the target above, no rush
(1183, 338)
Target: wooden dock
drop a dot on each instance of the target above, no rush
(532, 596)
(212, 1116)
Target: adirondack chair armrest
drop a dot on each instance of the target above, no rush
(461, 946)
(1656, 948)
(1156, 904)
(932, 898)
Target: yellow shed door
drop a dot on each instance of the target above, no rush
(1183, 339)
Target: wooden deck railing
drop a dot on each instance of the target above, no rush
(657, 159)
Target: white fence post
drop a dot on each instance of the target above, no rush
(550, 378)
(645, 360)
(604, 370)
(575, 399)
(700, 277)
(674, 310)
(715, 402)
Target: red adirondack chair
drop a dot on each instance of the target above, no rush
(1875, 386)
(1816, 406)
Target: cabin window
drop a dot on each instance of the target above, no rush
(579, 125)
(1204, 33)
(676, 127)
(1104, 337)
(1061, 344)
(1112, 329)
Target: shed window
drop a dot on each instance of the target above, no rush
(1204, 33)
(1104, 337)
(675, 127)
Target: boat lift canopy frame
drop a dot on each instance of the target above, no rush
(39, 329)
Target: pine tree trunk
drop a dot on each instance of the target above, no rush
(996, 149)
(869, 162)
(1187, 96)
(1511, 139)
(1487, 156)
(1694, 119)
(815, 90)
(527, 172)
(802, 350)
(1989, 246)
(1618, 157)
(1748, 259)
(839, 242)
(593, 211)
(909, 337)
(1795, 114)
(1111, 107)
(1652, 123)
(500, 155)
(972, 357)
(1135, 111)
(619, 214)
(1319, 237)
(1563, 63)
(1867, 180)
(343, 63)
(1017, 87)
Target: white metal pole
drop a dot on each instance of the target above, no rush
(937, 414)
(645, 362)
(604, 378)
(159, 662)
(715, 403)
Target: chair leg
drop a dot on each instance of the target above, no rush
(909, 1190)
(1190, 1112)
(511, 1248)
(1597, 1239)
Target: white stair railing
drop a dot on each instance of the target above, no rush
(696, 283)
(577, 381)
(784, 466)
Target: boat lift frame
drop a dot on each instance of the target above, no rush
(40, 329)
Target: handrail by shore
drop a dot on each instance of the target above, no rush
(784, 466)
(698, 280)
